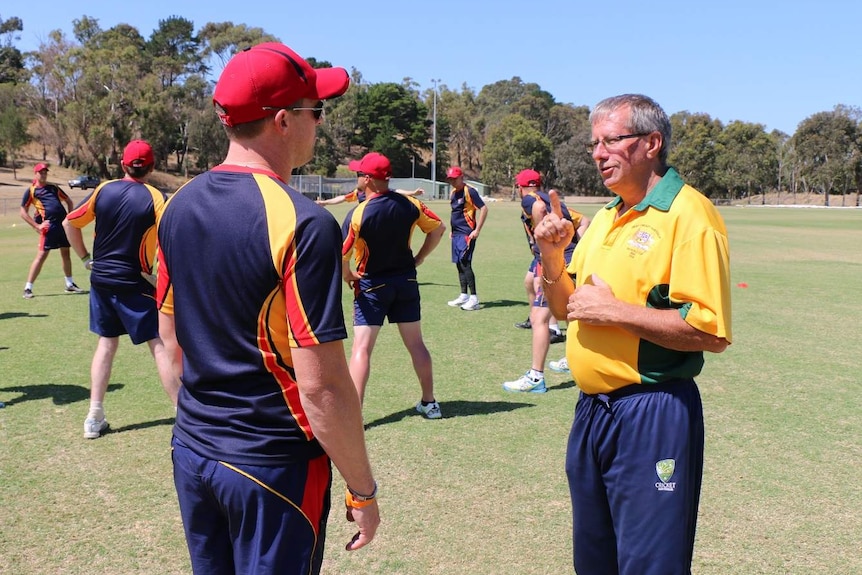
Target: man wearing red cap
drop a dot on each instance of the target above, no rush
(384, 282)
(468, 217)
(529, 184)
(358, 195)
(124, 249)
(47, 201)
(249, 290)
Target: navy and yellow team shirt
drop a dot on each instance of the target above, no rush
(47, 201)
(464, 203)
(670, 251)
(356, 195)
(250, 269)
(124, 244)
(378, 233)
(527, 219)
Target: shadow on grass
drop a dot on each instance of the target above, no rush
(61, 394)
(14, 314)
(504, 303)
(565, 385)
(62, 294)
(453, 409)
(143, 425)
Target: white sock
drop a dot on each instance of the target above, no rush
(536, 375)
(69, 281)
(29, 286)
(96, 412)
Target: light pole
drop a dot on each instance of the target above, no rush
(412, 167)
(434, 144)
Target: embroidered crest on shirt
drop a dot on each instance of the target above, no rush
(664, 469)
(642, 240)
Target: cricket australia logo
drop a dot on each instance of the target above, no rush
(664, 469)
(641, 241)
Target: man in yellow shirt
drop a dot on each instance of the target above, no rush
(646, 293)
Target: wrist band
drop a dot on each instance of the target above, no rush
(358, 501)
(85, 257)
(553, 281)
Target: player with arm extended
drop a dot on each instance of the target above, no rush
(47, 200)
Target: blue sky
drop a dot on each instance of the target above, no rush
(773, 63)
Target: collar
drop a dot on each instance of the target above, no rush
(661, 196)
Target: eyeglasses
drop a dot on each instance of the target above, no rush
(609, 143)
(317, 111)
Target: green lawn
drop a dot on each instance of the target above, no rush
(482, 491)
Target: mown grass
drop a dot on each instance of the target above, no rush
(483, 491)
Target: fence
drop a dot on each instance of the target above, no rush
(321, 188)
(314, 187)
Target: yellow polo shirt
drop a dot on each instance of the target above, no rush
(668, 252)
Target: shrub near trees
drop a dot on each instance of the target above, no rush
(82, 98)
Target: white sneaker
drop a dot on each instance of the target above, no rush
(561, 366)
(472, 304)
(526, 384)
(93, 428)
(430, 411)
(458, 301)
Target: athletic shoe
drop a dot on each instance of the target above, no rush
(526, 384)
(430, 411)
(557, 337)
(458, 301)
(561, 366)
(72, 288)
(93, 428)
(524, 324)
(472, 304)
(28, 293)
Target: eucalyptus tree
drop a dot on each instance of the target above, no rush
(106, 72)
(746, 157)
(827, 148)
(51, 90)
(693, 150)
(573, 170)
(511, 146)
(224, 39)
(12, 69)
(464, 141)
(13, 123)
(391, 120)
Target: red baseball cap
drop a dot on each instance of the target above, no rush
(528, 178)
(454, 172)
(137, 154)
(271, 75)
(39, 167)
(373, 164)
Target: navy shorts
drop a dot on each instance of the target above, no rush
(113, 315)
(462, 248)
(54, 238)
(395, 298)
(250, 519)
(635, 463)
(536, 269)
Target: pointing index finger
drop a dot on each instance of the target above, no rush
(556, 208)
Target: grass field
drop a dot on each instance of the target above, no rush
(482, 491)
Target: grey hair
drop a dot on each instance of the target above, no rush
(646, 116)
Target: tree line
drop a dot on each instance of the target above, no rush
(82, 99)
